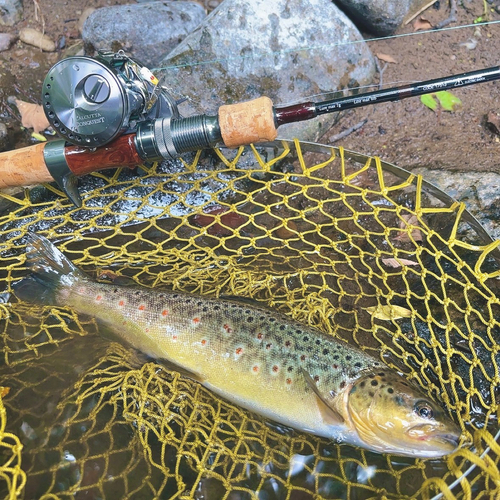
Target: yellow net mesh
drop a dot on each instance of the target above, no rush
(333, 239)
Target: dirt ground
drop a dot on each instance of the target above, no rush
(406, 133)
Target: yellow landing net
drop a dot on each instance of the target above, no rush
(357, 248)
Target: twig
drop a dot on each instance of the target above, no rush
(451, 18)
(38, 10)
(380, 72)
(425, 7)
(346, 132)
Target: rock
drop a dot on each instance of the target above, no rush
(37, 39)
(478, 190)
(379, 17)
(146, 31)
(83, 17)
(248, 48)
(11, 11)
(6, 40)
(4, 137)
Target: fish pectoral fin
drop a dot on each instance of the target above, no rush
(329, 414)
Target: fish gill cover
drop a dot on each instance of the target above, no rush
(332, 239)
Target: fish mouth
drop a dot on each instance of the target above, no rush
(449, 439)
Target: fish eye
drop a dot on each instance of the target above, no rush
(424, 409)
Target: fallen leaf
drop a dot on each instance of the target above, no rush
(389, 312)
(421, 24)
(391, 262)
(32, 115)
(386, 58)
(448, 101)
(228, 221)
(38, 137)
(415, 235)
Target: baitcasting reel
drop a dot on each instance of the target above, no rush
(90, 101)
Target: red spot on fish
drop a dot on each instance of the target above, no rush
(228, 328)
(146, 330)
(203, 342)
(288, 343)
(303, 357)
(260, 336)
(142, 307)
(268, 346)
(99, 297)
(121, 303)
(239, 350)
(164, 312)
(342, 384)
(288, 381)
(275, 368)
(196, 320)
(335, 367)
(255, 369)
(228, 221)
(316, 378)
(174, 337)
(124, 323)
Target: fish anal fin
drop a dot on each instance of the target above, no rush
(329, 414)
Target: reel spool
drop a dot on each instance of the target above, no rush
(90, 101)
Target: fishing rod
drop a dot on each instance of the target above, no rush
(113, 112)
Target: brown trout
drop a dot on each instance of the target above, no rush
(256, 358)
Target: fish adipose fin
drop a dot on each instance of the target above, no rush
(329, 414)
(49, 269)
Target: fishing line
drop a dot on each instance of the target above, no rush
(322, 47)
(236, 58)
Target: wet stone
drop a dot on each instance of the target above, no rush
(161, 26)
(379, 17)
(248, 48)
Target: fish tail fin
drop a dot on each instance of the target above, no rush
(50, 270)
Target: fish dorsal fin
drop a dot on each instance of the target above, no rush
(329, 414)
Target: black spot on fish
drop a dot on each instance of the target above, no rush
(390, 390)
(199, 303)
(298, 332)
(399, 400)
(249, 319)
(362, 384)
(342, 384)
(205, 309)
(371, 394)
(290, 369)
(374, 383)
(348, 357)
(318, 342)
(272, 320)
(138, 292)
(282, 327)
(381, 374)
(325, 351)
(306, 338)
(357, 365)
(336, 356)
(175, 296)
(216, 308)
(115, 290)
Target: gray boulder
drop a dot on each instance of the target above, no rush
(11, 11)
(145, 31)
(248, 48)
(379, 17)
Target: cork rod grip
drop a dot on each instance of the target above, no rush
(247, 122)
(23, 167)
